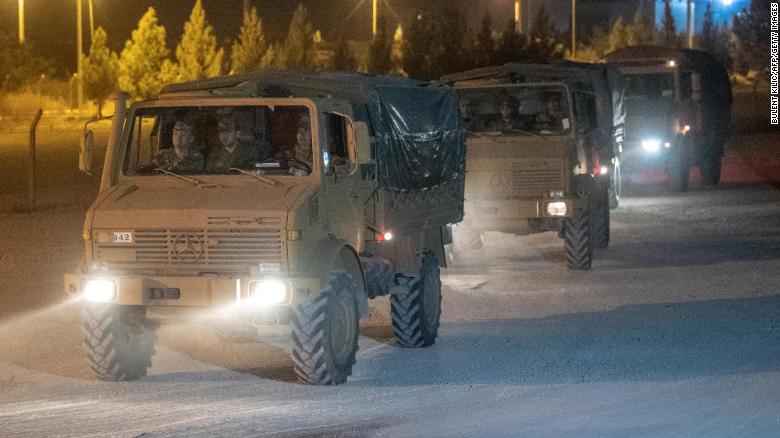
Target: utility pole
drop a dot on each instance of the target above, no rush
(80, 54)
(373, 17)
(689, 24)
(91, 24)
(573, 29)
(21, 21)
(519, 16)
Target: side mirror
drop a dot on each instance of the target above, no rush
(86, 149)
(362, 143)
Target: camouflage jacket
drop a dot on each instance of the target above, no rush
(192, 163)
(221, 159)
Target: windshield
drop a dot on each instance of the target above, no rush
(535, 110)
(207, 140)
(650, 86)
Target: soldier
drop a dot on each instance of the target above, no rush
(550, 118)
(182, 157)
(509, 115)
(467, 115)
(299, 157)
(232, 151)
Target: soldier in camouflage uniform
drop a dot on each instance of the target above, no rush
(182, 157)
(299, 157)
(232, 150)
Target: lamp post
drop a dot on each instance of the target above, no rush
(689, 24)
(80, 54)
(21, 21)
(373, 17)
(518, 16)
(574, 29)
(91, 23)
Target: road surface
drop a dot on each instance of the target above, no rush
(674, 332)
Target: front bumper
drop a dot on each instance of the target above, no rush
(511, 216)
(188, 291)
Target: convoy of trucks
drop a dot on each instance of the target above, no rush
(290, 199)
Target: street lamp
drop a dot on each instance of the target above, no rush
(373, 17)
(573, 29)
(80, 55)
(21, 21)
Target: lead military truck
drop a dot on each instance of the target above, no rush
(266, 243)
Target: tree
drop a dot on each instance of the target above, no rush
(511, 45)
(715, 39)
(101, 70)
(449, 41)
(416, 58)
(641, 29)
(618, 36)
(751, 27)
(19, 63)
(485, 45)
(144, 65)
(543, 45)
(669, 36)
(342, 57)
(398, 49)
(247, 51)
(299, 45)
(380, 53)
(197, 53)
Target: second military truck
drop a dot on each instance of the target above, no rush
(267, 199)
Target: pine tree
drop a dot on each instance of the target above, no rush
(449, 42)
(511, 45)
(380, 54)
(618, 36)
(101, 70)
(398, 49)
(669, 36)
(751, 27)
(19, 63)
(641, 29)
(143, 59)
(299, 45)
(485, 45)
(197, 53)
(543, 43)
(715, 39)
(342, 57)
(248, 50)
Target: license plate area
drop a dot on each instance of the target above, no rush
(164, 293)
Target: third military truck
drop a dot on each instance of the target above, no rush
(271, 199)
(539, 157)
(678, 111)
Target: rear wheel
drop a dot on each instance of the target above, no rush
(576, 238)
(416, 314)
(679, 166)
(118, 341)
(325, 333)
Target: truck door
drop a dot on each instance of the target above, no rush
(342, 185)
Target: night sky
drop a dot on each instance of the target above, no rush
(51, 23)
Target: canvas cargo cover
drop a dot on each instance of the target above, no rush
(419, 142)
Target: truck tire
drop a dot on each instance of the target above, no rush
(599, 219)
(709, 166)
(325, 333)
(576, 238)
(416, 314)
(615, 188)
(679, 167)
(118, 341)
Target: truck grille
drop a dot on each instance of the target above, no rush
(209, 247)
(537, 181)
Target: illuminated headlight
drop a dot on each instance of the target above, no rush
(651, 145)
(99, 290)
(604, 170)
(266, 293)
(556, 209)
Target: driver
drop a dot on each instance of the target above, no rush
(231, 151)
(550, 117)
(182, 157)
(509, 115)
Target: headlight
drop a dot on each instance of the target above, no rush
(99, 290)
(266, 293)
(651, 145)
(556, 209)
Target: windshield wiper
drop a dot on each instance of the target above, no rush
(268, 181)
(193, 181)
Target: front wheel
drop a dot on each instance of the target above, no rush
(576, 238)
(118, 341)
(325, 333)
(416, 314)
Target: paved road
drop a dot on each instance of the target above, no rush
(675, 332)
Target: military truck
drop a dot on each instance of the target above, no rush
(277, 240)
(678, 111)
(533, 157)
